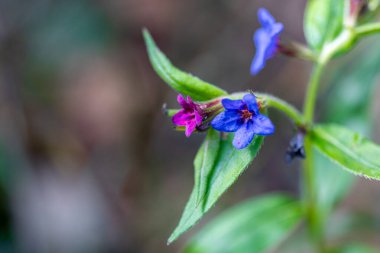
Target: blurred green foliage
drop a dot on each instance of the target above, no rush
(255, 226)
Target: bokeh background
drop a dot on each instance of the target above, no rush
(88, 161)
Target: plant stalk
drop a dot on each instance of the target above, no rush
(311, 95)
(309, 188)
(289, 110)
(367, 29)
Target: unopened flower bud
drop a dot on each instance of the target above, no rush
(296, 147)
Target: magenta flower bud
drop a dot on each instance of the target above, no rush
(195, 116)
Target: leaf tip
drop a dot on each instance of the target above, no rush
(146, 34)
(171, 239)
(178, 231)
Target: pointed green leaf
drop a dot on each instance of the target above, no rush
(353, 91)
(204, 162)
(349, 149)
(332, 183)
(230, 163)
(323, 21)
(347, 102)
(180, 81)
(254, 226)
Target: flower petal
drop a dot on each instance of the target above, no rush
(271, 48)
(262, 41)
(181, 101)
(265, 18)
(265, 39)
(227, 121)
(190, 102)
(262, 125)
(251, 102)
(181, 118)
(244, 135)
(276, 29)
(190, 127)
(178, 118)
(198, 118)
(230, 104)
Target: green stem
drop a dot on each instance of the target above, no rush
(311, 94)
(344, 41)
(367, 29)
(310, 194)
(289, 110)
(314, 220)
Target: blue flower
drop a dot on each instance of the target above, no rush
(265, 39)
(242, 117)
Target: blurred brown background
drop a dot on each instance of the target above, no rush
(88, 161)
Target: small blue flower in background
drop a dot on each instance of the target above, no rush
(265, 39)
(242, 117)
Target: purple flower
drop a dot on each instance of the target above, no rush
(242, 117)
(189, 116)
(195, 116)
(266, 40)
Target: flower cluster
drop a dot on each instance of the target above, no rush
(241, 116)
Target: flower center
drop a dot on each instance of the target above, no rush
(245, 114)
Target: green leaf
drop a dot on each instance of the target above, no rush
(356, 248)
(180, 81)
(323, 21)
(374, 5)
(351, 225)
(254, 226)
(229, 164)
(332, 183)
(346, 102)
(204, 162)
(355, 81)
(349, 149)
